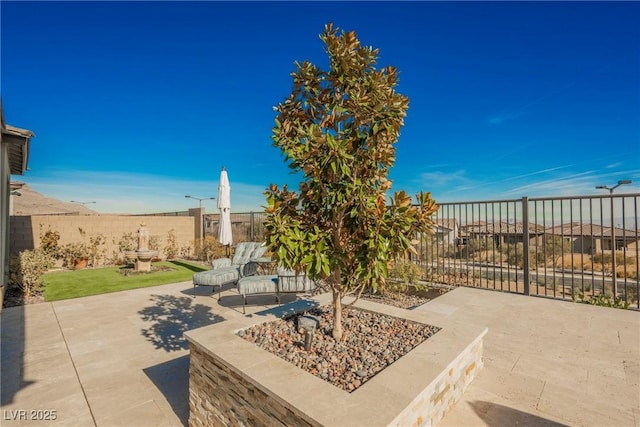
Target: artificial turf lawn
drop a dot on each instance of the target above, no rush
(95, 281)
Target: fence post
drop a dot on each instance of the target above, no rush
(525, 244)
(251, 226)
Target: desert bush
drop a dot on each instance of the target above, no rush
(575, 261)
(632, 293)
(71, 253)
(209, 248)
(171, 249)
(467, 250)
(185, 252)
(432, 248)
(552, 251)
(602, 261)
(26, 270)
(602, 300)
(514, 253)
(128, 242)
(96, 249)
(622, 259)
(49, 241)
(93, 251)
(493, 256)
(406, 271)
(154, 243)
(602, 258)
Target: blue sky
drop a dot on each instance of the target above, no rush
(136, 104)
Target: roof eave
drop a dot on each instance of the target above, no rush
(18, 148)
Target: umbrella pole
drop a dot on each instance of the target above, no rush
(228, 251)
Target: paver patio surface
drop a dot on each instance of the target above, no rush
(547, 362)
(120, 360)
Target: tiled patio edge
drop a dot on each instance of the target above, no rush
(233, 382)
(446, 390)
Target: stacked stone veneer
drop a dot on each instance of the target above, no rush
(235, 383)
(219, 396)
(433, 403)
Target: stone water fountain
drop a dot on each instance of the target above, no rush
(143, 256)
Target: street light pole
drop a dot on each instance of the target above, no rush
(614, 279)
(200, 199)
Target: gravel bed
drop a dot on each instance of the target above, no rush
(371, 342)
(397, 299)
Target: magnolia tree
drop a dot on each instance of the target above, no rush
(338, 128)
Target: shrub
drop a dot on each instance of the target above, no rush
(96, 249)
(185, 252)
(432, 248)
(622, 259)
(171, 249)
(553, 250)
(71, 253)
(476, 245)
(603, 301)
(514, 253)
(603, 262)
(602, 258)
(406, 271)
(209, 248)
(26, 270)
(128, 242)
(491, 256)
(49, 241)
(154, 243)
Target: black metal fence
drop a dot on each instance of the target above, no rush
(558, 247)
(246, 226)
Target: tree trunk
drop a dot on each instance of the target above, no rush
(337, 315)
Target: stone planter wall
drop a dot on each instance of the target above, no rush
(233, 382)
(220, 396)
(432, 404)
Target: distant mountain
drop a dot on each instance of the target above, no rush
(30, 202)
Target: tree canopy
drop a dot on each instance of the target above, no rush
(339, 128)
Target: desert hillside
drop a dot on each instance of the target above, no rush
(30, 202)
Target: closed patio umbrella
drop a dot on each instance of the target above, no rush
(225, 236)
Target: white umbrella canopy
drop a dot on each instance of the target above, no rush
(225, 235)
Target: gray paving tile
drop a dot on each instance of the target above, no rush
(125, 361)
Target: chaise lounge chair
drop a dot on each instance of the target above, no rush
(225, 271)
(286, 281)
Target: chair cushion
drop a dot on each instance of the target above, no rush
(257, 285)
(289, 282)
(217, 277)
(220, 262)
(285, 282)
(247, 251)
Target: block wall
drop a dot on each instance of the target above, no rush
(25, 230)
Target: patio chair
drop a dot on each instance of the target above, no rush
(225, 271)
(286, 281)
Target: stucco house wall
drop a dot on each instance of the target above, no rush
(14, 152)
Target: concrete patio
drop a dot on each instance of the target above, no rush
(120, 360)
